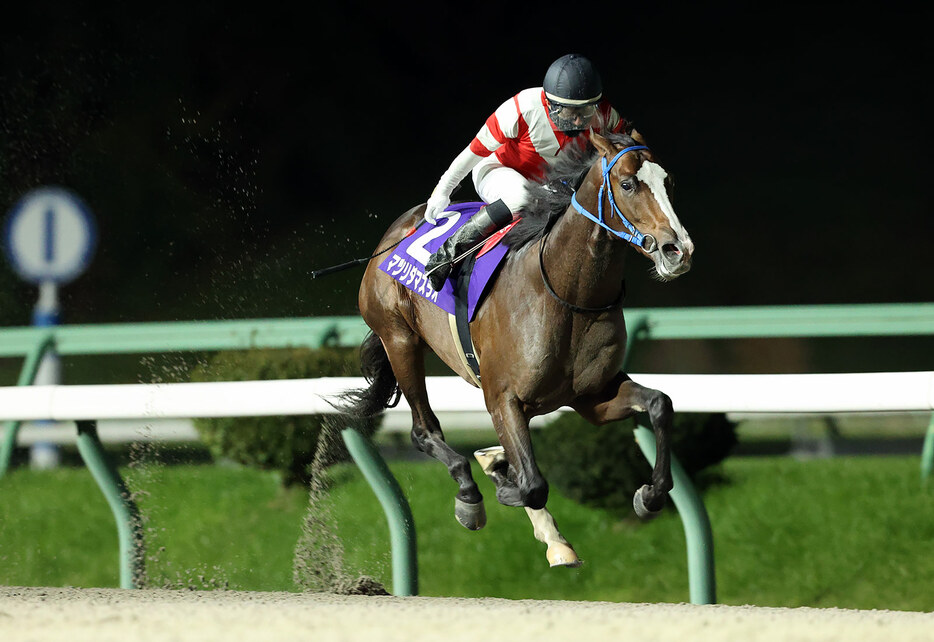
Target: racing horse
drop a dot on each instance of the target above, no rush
(550, 333)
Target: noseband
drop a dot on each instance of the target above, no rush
(634, 236)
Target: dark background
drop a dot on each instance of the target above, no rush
(226, 153)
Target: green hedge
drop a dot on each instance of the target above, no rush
(284, 443)
(602, 466)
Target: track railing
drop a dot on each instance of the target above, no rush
(643, 324)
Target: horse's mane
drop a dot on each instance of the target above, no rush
(550, 198)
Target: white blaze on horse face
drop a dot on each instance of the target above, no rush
(653, 175)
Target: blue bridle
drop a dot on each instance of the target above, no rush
(634, 236)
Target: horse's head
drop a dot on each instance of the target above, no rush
(635, 189)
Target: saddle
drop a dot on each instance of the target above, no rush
(465, 290)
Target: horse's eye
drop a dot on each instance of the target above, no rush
(628, 185)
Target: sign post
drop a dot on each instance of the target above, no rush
(49, 239)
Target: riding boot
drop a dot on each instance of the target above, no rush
(489, 219)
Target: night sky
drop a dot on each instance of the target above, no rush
(227, 153)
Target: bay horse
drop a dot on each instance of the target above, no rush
(550, 333)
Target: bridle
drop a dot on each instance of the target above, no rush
(637, 238)
(643, 241)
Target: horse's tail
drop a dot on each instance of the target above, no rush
(362, 405)
(357, 409)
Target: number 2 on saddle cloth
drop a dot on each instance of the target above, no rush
(406, 264)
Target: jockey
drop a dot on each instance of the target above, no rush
(517, 144)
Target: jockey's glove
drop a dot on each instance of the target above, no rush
(437, 203)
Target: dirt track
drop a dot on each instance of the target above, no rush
(28, 614)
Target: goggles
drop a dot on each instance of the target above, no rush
(571, 117)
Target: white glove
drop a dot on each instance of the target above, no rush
(437, 203)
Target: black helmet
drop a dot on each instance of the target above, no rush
(573, 89)
(572, 80)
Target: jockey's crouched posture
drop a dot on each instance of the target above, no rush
(517, 144)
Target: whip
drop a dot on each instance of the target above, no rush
(349, 264)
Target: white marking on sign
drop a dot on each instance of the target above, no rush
(50, 236)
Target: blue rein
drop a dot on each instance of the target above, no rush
(635, 236)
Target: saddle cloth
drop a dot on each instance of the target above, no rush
(406, 263)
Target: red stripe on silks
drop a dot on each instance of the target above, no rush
(492, 123)
(496, 238)
(519, 153)
(479, 148)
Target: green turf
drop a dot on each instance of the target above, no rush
(853, 532)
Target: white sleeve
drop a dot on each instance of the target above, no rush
(458, 169)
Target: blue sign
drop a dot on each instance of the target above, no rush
(49, 236)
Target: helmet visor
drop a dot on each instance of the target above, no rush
(571, 117)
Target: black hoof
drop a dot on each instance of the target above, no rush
(470, 516)
(638, 504)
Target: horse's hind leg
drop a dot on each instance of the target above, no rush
(406, 354)
(621, 398)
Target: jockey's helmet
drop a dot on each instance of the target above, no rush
(572, 88)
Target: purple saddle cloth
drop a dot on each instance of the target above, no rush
(406, 262)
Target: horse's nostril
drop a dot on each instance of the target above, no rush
(671, 250)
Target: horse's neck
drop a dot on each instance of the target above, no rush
(584, 263)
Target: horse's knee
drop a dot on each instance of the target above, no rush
(534, 493)
(659, 404)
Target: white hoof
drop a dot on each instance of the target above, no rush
(559, 554)
(489, 457)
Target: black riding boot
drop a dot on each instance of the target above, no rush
(481, 225)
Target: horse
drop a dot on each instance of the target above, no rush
(550, 333)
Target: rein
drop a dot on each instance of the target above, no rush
(634, 236)
(618, 303)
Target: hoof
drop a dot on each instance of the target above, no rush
(490, 457)
(470, 516)
(559, 554)
(638, 504)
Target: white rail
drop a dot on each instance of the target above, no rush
(806, 393)
(809, 393)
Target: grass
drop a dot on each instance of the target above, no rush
(851, 532)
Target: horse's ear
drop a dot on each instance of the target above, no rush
(636, 136)
(601, 144)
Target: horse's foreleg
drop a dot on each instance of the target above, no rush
(407, 359)
(496, 466)
(518, 481)
(620, 399)
(524, 484)
(560, 552)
